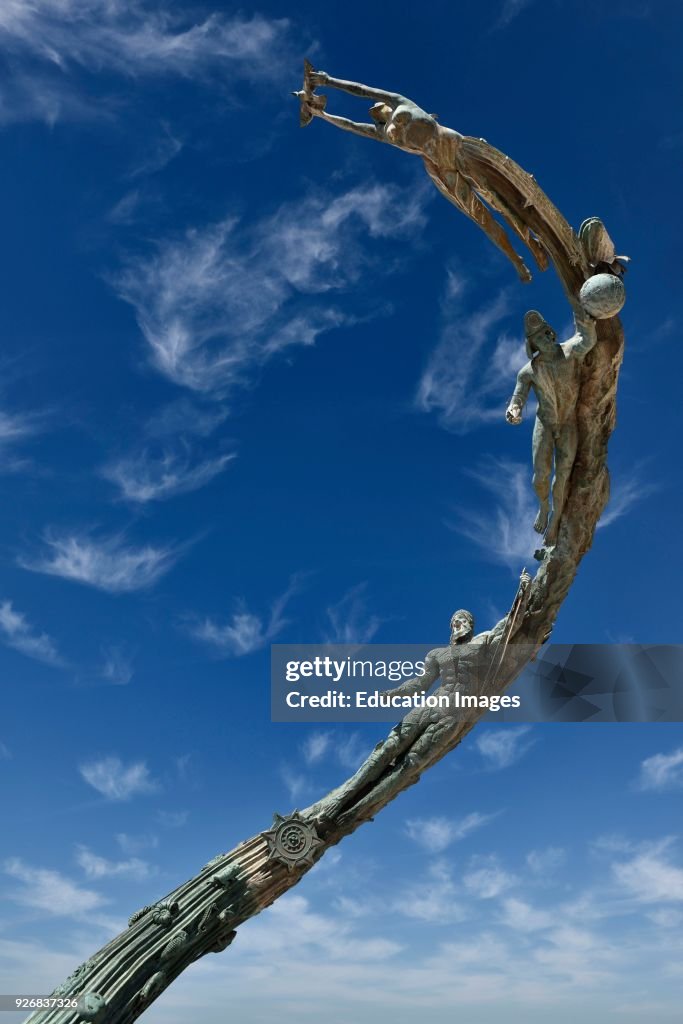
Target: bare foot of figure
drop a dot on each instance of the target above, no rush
(523, 272)
(551, 532)
(541, 520)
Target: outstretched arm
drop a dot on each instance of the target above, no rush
(586, 333)
(420, 684)
(508, 627)
(355, 88)
(357, 127)
(513, 412)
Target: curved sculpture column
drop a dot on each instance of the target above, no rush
(202, 915)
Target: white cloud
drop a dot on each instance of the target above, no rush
(132, 845)
(143, 477)
(546, 861)
(432, 897)
(662, 771)
(49, 40)
(473, 369)
(316, 746)
(14, 427)
(246, 632)
(349, 749)
(116, 781)
(625, 492)
(350, 619)
(522, 917)
(437, 834)
(49, 891)
(108, 564)
(296, 783)
(164, 148)
(501, 747)
(216, 304)
(117, 667)
(17, 633)
(172, 819)
(510, 10)
(505, 534)
(650, 877)
(486, 879)
(95, 866)
(5, 752)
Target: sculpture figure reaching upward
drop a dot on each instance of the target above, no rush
(459, 175)
(469, 664)
(553, 371)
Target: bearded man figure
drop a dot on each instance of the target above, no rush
(468, 664)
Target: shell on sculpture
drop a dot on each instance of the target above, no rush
(603, 295)
(91, 1006)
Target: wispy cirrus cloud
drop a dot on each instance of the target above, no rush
(216, 304)
(95, 866)
(16, 632)
(649, 876)
(436, 834)
(473, 368)
(117, 666)
(50, 41)
(50, 891)
(246, 632)
(172, 819)
(109, 563)
(662, 771)
(626, 491)
(316, 747)
(350, 619)
(142, 477)
(434, 898)
(505, 534)
(502, 747)
(348, 749)
(16, 428)
(486, 879)
(510, 10)
(116, 780)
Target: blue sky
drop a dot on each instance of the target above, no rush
(252, 387)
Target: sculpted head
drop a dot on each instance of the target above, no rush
(462, 626)
(380, 113)
(540, 336)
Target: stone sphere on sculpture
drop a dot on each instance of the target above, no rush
(603, 295)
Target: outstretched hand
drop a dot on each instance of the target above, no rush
(317, 78)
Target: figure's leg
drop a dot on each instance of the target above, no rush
(516, 223)
(565, 453)
(471, 204)
(398, 740)
(410, 765)
(542, 447)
